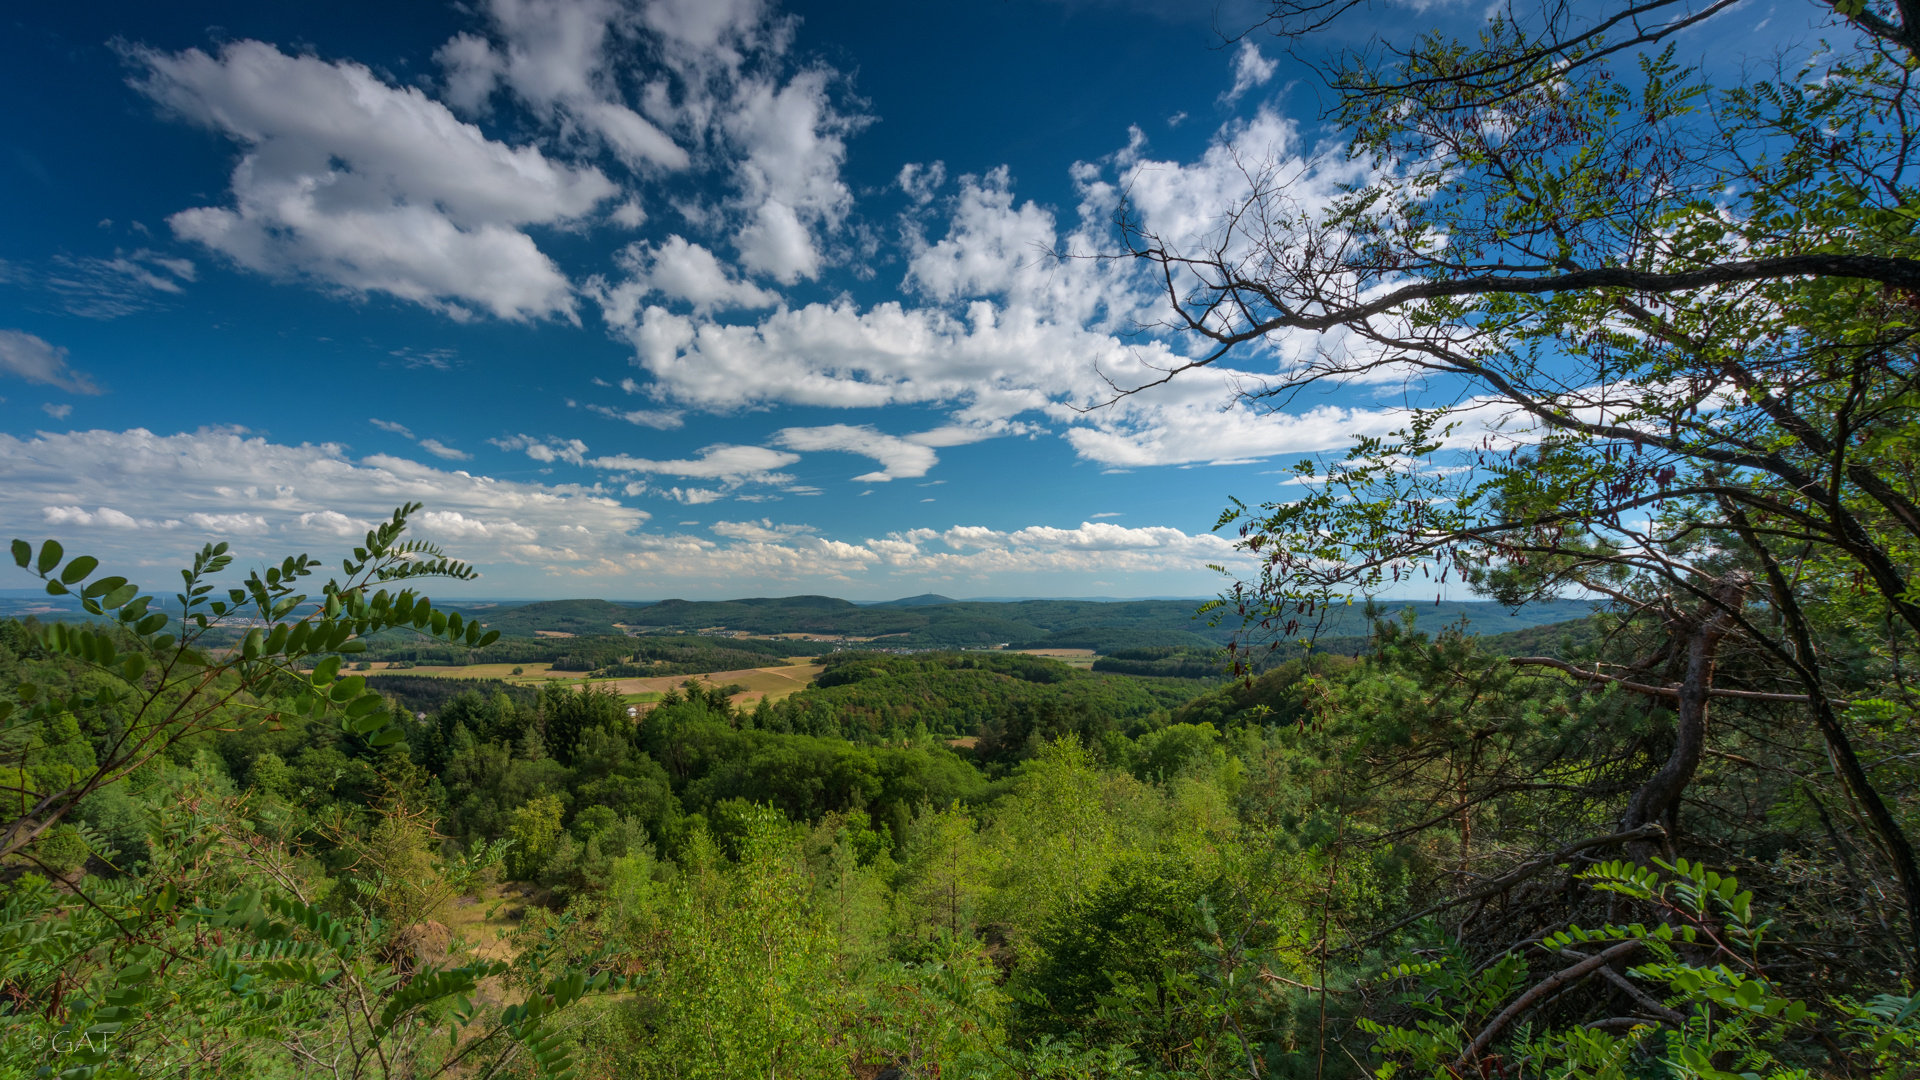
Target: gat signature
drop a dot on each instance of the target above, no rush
(67, 1043)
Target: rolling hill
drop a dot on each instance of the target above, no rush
(933, 621)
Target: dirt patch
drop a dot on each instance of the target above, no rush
(481, 922)
(551, 633)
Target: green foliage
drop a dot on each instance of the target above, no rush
(943, 876)
(748, 981)
(1734, 1018)
(1888, 1028)
(533, 829)
(1134, 930)
(1183, 881)
(1012, 700)
(60, 851)
(1165, 663)
(206, 961)
(191, 689)
(220, 947)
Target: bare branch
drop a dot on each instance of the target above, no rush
(1528, 1000)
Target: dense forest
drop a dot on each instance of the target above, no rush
(937, 864)
(1672, 840)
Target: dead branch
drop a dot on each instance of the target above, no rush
(1528, 1000)
(1658, 691)
(1515, 876)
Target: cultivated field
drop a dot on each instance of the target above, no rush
(771, 683)
(1077, 658)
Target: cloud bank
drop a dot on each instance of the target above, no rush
(146, 501)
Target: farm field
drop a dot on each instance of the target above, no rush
(1077, 658)
(531, 674)
(770, 683)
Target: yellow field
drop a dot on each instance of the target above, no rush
(769, 683)
(1079, 658)
(532, 673)
(772, 683)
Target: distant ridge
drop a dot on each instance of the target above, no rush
(931, 620)
(1084, 599)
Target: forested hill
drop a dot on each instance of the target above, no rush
(934, 621)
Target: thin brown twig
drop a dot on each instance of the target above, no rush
(1658, 691)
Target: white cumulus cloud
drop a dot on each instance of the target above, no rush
(1007, 331)
(678, 270)
(223, 482)
(143, 502)
(762, 530)
(899, 458)
(432, 446)
(794, 145)
(555, 56)
(736, 465)
(363, 186)
(103, 516)
(671, 85)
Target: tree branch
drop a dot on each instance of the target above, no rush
(1515, 876)
(1471, 1055)
(1657, 691)
(1640, 997)
(1903, 273)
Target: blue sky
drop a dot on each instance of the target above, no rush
(642, 298)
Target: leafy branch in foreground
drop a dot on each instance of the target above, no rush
(195, 964)
(218, 953)
(1722, 1017)
(158, 678)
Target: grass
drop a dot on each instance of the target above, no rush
(485, 918)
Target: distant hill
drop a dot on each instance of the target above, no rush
(581, 618)
(1554, 639)
(931, 621)
(923, 600)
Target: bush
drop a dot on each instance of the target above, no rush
(61, 850)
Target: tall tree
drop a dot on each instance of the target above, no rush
(1664, 323)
